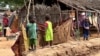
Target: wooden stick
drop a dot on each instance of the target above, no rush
(28, 11)
(25, 4)
(77, 24)
(33, 8)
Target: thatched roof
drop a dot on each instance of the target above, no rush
(83, 4)
(93, 5)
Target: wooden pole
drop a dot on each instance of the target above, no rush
(25, 38)
(25, 4)
(33, 7)
(60, 14)
(28, 11)
(78, 30)
(98, 25)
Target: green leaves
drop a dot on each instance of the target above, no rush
(15, 3)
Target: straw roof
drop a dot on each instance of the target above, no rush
(83, 4)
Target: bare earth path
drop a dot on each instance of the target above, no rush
(5, 47)
(98, 54)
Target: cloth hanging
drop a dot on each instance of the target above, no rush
(12, 17)
(95, 20)
(72, 14)
(89, 16)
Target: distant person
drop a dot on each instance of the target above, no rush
(0, 29)
(48, 30)
(5, 24)
(86, 27)
(32, 34)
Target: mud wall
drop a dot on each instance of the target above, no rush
(76, 48)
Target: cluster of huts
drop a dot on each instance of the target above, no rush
(62, 13)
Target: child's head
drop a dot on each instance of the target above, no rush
(47, 17)
(5, 15)
(31, 19)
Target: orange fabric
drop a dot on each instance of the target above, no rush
(18, 47)
(14, 25)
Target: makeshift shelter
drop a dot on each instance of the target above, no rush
(62, 13)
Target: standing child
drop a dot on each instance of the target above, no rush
(32, 34)
(5, 24)
(86, 29)
(48, 30)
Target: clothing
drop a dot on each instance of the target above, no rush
(85, 33)
(11, 19)
(49, 32)
(95, 21)
(8, 31)
(85, 29)
(0, 28)
(4, 30)
(33, 41)
(5, 22)
(32, 34)
(18, 47)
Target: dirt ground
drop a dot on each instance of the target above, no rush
(98, 54)
(5, 47)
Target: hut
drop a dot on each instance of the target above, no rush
(62, 13)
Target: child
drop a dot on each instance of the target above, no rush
(86, 29)
(32, 34)
(48, 30)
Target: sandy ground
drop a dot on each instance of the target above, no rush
(98, 54)
(5, 47)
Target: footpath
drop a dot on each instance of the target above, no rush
(72, 48)
(5, 47)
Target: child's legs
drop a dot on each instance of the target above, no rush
(87, 33)
(35, 43)
(31, 43)
(51, 42)
(86, 36)
(48, 43)
(4, 32)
